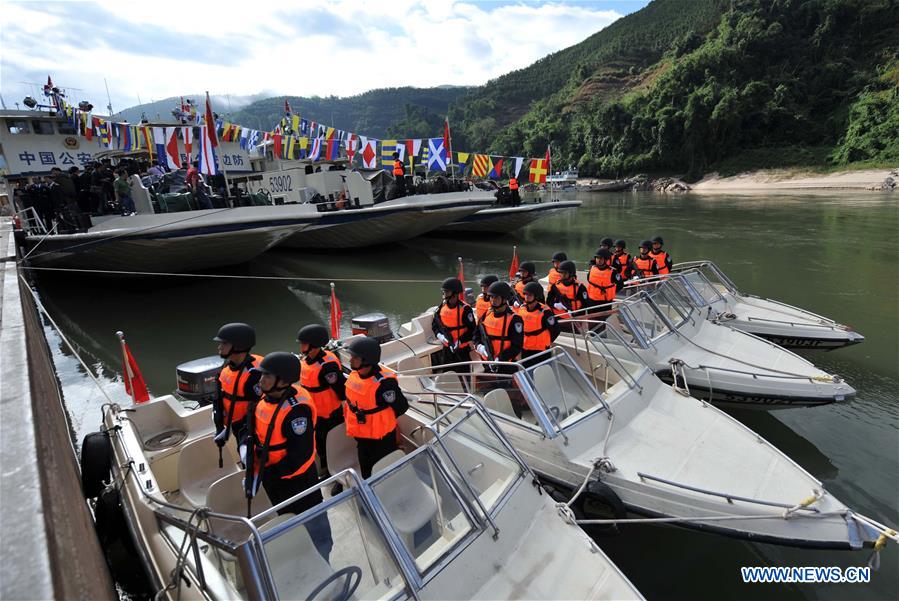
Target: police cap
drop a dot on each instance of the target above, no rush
(620, 243)
(528, 267)
(500, 289)
(603, 253)
(284, 366)
(646, 244)
(314, 335)
(658, 239)
(489, 279)
(606, 242)
(534, 288)
(241, 336)
(366, 348)
(568, 267)
(560, 256)
(452, 285)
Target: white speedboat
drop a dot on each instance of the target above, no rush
(785, 325)
(166, 242)
(502, 219)
(454, 514)
(714, 362)
(605, 426)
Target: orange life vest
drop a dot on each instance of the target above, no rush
(519, 287)
(325, 399)
(269, 417)
(600, 286)
(398, 169)
(360, 396)
(569, 292)
(513, 184)
(660, 258)
(452, 321)
(620, 261)
(536, 337)
(644, 266)
(554, 277)
(234, 401)
(497, 330)
(481, 306)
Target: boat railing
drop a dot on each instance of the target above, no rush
(32, 222)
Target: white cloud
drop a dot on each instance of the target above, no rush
(312, 47)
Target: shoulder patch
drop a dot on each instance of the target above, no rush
(470, 316)
(299, 425)
(551, 320)
(331, 378)
(257, 390)
(519, 327)
(389, 396)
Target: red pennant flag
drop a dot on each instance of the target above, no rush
(336, 315)
(210, 123)
(446, 139)
(277, 146)
(461, 275)
(513, 268)
(134, 381)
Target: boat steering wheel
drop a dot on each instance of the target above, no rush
(352, 576)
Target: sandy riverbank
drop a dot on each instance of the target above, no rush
(787, 179)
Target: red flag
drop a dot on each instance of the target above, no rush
(513, 268)
(210, 123)
(286, 106)
(446, 140)
(336, 315)
(134, 381)
(549, 165)
(277, 145)
(461, 275)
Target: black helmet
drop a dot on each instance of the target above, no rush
(489, 279)
(241, 336)
(560, 256)
(568, 267)
(452, 285)
(284, 366)
(621, 243)
(368, 349)
(528, 267)
(605, 253)
(500, 289)
(658, 239)
(534, 288)
(314, 335)
(646, 244)
(606, 242)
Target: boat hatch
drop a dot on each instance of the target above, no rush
(389, 535)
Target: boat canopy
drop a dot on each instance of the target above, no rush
(391, 533)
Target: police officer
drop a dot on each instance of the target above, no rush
(554, 274)
(603, 282)
(661, 257)
(321, 375)
(621, 260)
(236, 381)
(500, 334)
(568, 294)
(526, 273)
(482, 302)
(279, 444)
(453, 325)
(540, 325)
(644, 266)
(399, 174)
(373, 402)
(513, 190)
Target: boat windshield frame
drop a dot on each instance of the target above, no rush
(710, 267)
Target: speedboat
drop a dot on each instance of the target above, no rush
(504, 219)
(714, 362)
(454, 514)
(591, 421)
(783, 324)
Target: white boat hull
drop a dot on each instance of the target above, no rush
(508, 219)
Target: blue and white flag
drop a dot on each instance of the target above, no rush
(252, 140)
(206, 156)
(244, 134)
(316, 151)
(159, 142)
(436, 155)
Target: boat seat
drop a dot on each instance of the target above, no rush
(198, 468)
(550, 392)
(164, 423)
(410, 363)
(226, 495)
(296, 565)
(498, 400)
(410, 503)
(342, 453)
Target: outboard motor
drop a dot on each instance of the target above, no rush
(375, 325)
(198, 379)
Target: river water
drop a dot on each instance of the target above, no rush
(835, 254)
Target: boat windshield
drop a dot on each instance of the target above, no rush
(713, 274)
(672, 302)
(695, 284)
(640, 319)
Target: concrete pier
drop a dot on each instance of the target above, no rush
(48, 545)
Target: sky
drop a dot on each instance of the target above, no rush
(154, 50)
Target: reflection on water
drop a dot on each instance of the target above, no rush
(833, 254)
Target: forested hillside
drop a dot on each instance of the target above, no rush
(372, 113)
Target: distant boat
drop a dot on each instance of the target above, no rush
(500, 219)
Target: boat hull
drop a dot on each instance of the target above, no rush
(393, 221)
(508, 219)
